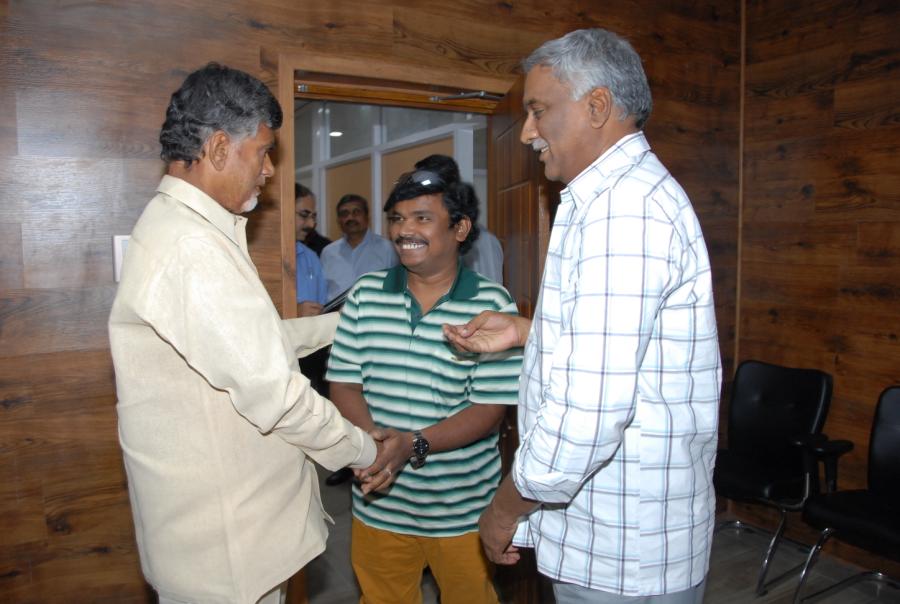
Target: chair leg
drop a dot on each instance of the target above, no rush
(770, 554)
(869, 575)
(810, 561)
(732, 524)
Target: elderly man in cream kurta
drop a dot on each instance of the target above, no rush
(216, 421)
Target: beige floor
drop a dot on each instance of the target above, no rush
(734, 563)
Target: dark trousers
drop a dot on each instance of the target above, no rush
(314, 366)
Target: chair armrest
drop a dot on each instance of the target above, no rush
(819, 448)
(831, 448)
(828, 452)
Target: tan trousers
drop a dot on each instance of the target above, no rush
(389, 567)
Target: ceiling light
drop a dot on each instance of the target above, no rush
(335, 133)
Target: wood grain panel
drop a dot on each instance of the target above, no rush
(54, 320)
(795, 116)
(11, 271)
(94, 124)
(868, 104)
(821, 215)
(878, 243)
(519, 209)
(417, 32)
(784, 242)
(21, 502)
(775, 32)
(533, 15)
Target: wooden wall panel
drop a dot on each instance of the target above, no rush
(821, 206)
(84, 86)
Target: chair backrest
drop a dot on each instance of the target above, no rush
(884, 446)
(771, 404)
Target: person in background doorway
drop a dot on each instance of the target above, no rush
(359, 251)
(619, 395)
(215, 420)
(486, 254)
(312, 291)
(314, 240)
(311, 288)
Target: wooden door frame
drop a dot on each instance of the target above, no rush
(285, 65)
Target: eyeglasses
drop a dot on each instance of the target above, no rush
(347, 212)
(305, 214)
(426, 178)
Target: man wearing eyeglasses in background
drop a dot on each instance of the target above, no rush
(311, 288)
(314, 240)
(359, 251)
(437, 411)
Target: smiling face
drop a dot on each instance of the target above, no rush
(423, 237)
(558, 128)
(246, 169)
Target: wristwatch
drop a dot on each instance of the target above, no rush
(420, 447)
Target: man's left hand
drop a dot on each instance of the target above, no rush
(496, 537)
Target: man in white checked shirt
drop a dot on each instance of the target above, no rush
(619, 394)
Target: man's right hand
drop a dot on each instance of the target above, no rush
(308, 309)
(490, 331)
(394, 449)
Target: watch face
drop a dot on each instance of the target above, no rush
(420, 451)
(421, 447)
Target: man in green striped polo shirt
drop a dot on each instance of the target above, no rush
(435, 410)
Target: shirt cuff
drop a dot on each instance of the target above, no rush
(367, 451)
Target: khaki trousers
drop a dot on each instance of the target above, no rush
(389, 567)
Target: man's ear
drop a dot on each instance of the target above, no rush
(462, 228)
(601, 106)
(217, 148)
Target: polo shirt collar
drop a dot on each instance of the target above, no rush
(465, 286)
(229, 224)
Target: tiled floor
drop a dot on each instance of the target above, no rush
(734, 563)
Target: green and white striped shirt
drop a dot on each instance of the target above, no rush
(412, 378)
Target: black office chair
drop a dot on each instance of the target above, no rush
(866, 518)
(774, 412)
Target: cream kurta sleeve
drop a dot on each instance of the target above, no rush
(309, 334)
(220, 319)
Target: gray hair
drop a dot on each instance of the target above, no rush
(586, 59)
(215, 98)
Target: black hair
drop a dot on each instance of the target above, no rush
(215, 98)
(301, 191)
(350, 197)
(459, 199)
(444, 165)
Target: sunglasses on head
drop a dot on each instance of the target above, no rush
(425, 178)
